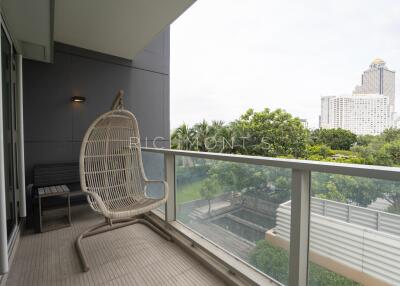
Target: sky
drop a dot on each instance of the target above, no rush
(231, 55)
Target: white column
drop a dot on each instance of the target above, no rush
(300, 228)
(20, 143)
(3, 215)
(169, 169)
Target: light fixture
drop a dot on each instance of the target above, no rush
(78, 99)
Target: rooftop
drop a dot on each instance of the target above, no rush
(378, 63)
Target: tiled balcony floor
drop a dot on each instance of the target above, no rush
(132, 255)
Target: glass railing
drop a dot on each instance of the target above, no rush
(234, 206)
(354, 230)
(298, 222)
(153, 164)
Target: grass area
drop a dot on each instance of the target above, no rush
(189, 192)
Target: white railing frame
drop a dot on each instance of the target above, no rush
(169, 170)
(301, 194)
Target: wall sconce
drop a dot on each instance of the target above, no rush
(78, 99)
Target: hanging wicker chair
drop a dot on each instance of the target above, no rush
(112, 174)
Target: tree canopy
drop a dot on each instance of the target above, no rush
(265, 133)
(336, 139)
(279, 134)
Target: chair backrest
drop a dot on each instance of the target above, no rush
(110, 160)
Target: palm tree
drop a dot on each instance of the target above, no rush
(183, 138)
(202, 131)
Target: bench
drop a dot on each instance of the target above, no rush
(56, 174)
(46, 175)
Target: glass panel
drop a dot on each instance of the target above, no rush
(354, 231)
(153, 164)
(240, 207)
(8, 133)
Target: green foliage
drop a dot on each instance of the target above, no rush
(274, 262)
(393, 151)
(336, 139)
(391, 192)
(182, 138)
(267, 183)
(346, 189)
(266, 133)
(391, 134)
(188, 192)
(364, 140)
(208, 191)
(321, 151)
(381, 150)
(278, 134)
(271, 133)
(188, 175)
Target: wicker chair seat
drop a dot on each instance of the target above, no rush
(111, 167)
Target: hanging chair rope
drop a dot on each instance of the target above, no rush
(118, 102)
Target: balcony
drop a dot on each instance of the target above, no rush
(218, 235)
(234, 220)
(128, 256)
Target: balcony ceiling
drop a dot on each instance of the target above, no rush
(119, 28)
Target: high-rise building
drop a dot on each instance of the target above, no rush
(371, 107)
(359, 113)
(378, 79)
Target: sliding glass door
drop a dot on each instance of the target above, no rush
(9, 130)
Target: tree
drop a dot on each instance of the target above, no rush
(382, 150)
(267, 183)
(336, 139)
(208, 191)
(391, 193)
(346, 189)
(391, 134)
(183, 138)
(201, 133)
(393, 150)
(271, 133)
(364, 140)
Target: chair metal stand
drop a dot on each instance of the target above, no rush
(109, 225)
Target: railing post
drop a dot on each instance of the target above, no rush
(169, 169)
(300, 227)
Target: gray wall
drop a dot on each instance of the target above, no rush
(54, 126)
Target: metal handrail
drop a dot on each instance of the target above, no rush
(369, 171)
